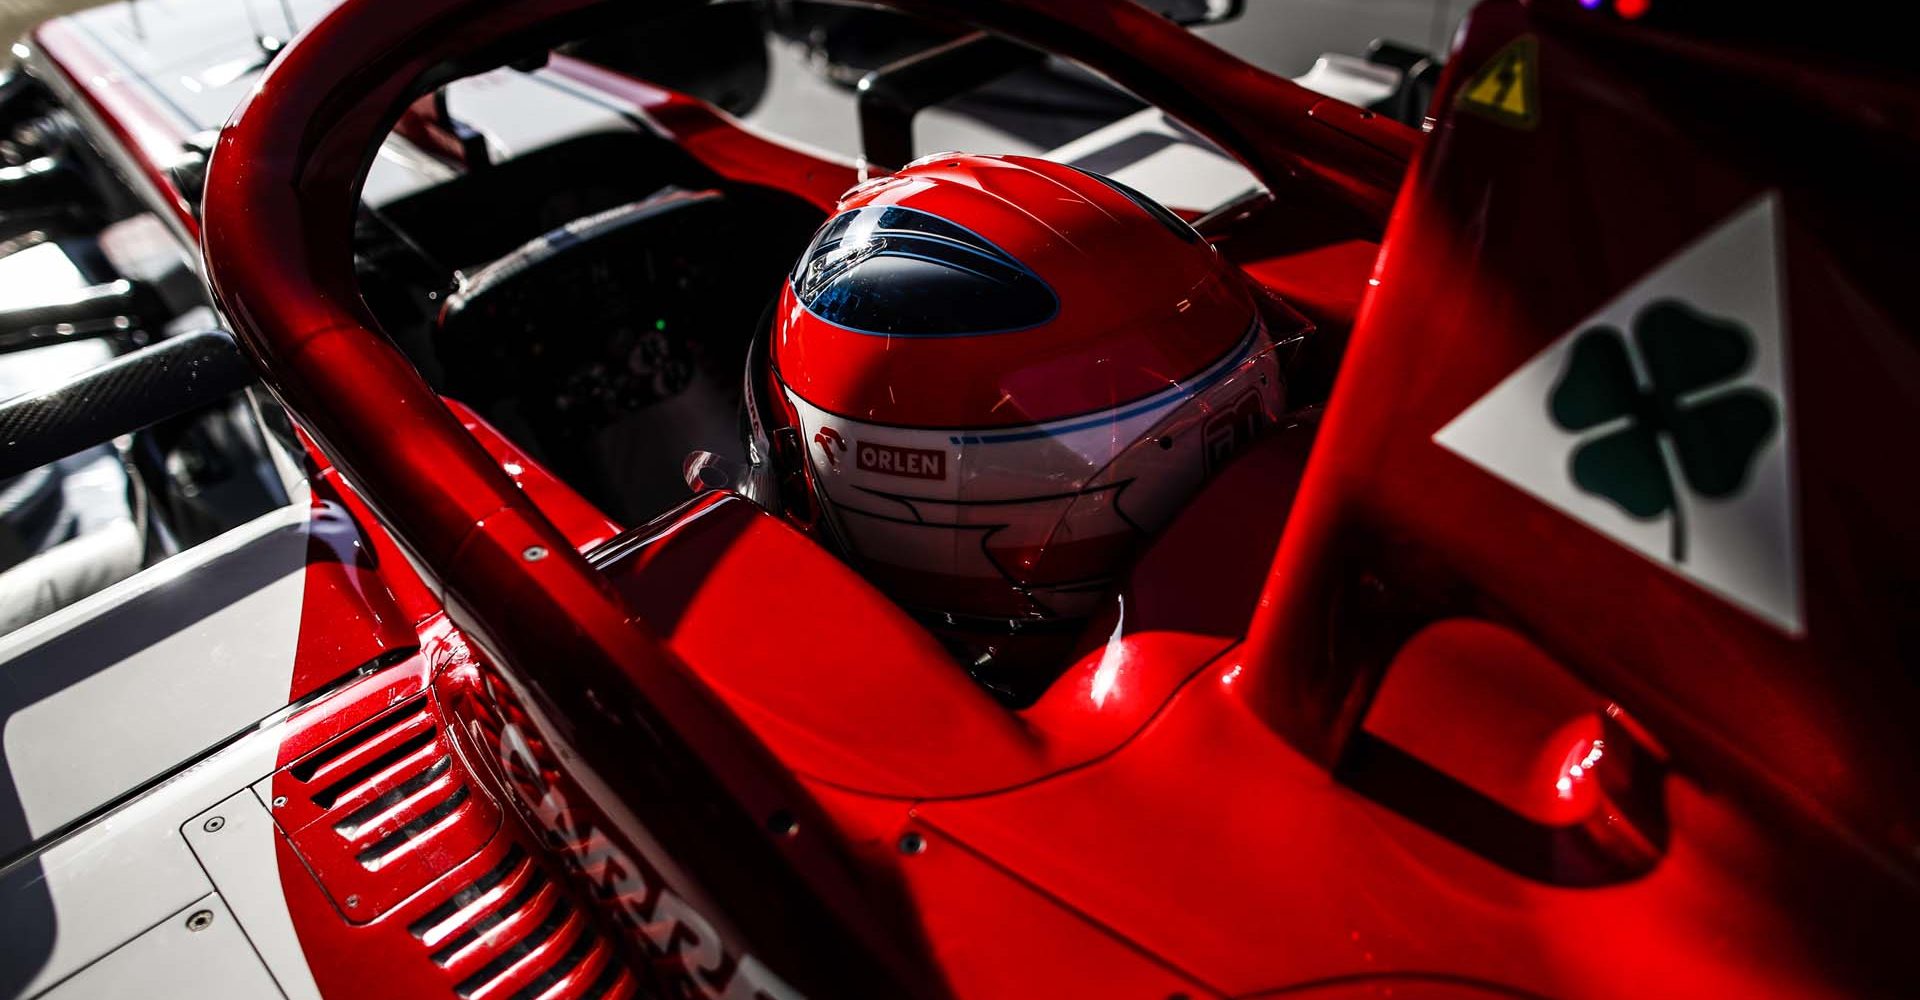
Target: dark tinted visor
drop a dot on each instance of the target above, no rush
(902, 272)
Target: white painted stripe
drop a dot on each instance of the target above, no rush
(86, 895)
(102, 696)
(197, 953)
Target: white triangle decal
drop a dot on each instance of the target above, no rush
(1664, 420)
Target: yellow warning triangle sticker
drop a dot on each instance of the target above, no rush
(1507, 88)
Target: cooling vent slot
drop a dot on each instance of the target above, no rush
(511, 934)
(380, 812)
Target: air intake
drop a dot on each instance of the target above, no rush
(380, 812)
(511, 934)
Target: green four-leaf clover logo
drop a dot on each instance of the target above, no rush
(1672, 419)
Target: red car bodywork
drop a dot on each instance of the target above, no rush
(708, 758)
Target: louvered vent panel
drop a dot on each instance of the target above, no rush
(511, 934)
(380, 812)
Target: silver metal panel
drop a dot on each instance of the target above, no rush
(240, 853)
(109, 881)
(197, 953)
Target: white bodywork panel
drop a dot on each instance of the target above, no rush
(101, 697)
(135, 683)
(1149, 153)
(197, 953)
(239, 854)
(521, 112)
(1351, 79)
(72, 907)
(518, 114)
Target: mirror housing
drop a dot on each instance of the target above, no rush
(1193, 12)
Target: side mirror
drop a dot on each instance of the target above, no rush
(1191, 12)
(1481, 736)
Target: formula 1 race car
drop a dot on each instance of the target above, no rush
(490, 508)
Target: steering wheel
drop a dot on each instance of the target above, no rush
(282, 191)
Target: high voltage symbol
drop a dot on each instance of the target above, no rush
(1507, 88)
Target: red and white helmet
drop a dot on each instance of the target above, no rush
(994, 376)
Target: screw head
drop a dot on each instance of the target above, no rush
(213, 825)
(913, 843)
(353, 901)
(279, 802)
(200, 920)
(782, 824)
(534, 553)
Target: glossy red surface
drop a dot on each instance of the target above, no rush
(1819, 722)
(278, 211)
(1482, 705)
(416, 602)
(155, 137)
(899, 720)
(1209, 841)
(1325, 282)
(1494, 253)
(317, 722)
(1120, 329)
(511, 579)
(993, 937)
(380, 819)
(466, 904)
(357, 537)
(584, 526)
(1186, 812)
(348, 615)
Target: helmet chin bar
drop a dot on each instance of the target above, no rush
(1013, 658)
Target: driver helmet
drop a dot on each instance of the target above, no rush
(990, 378)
